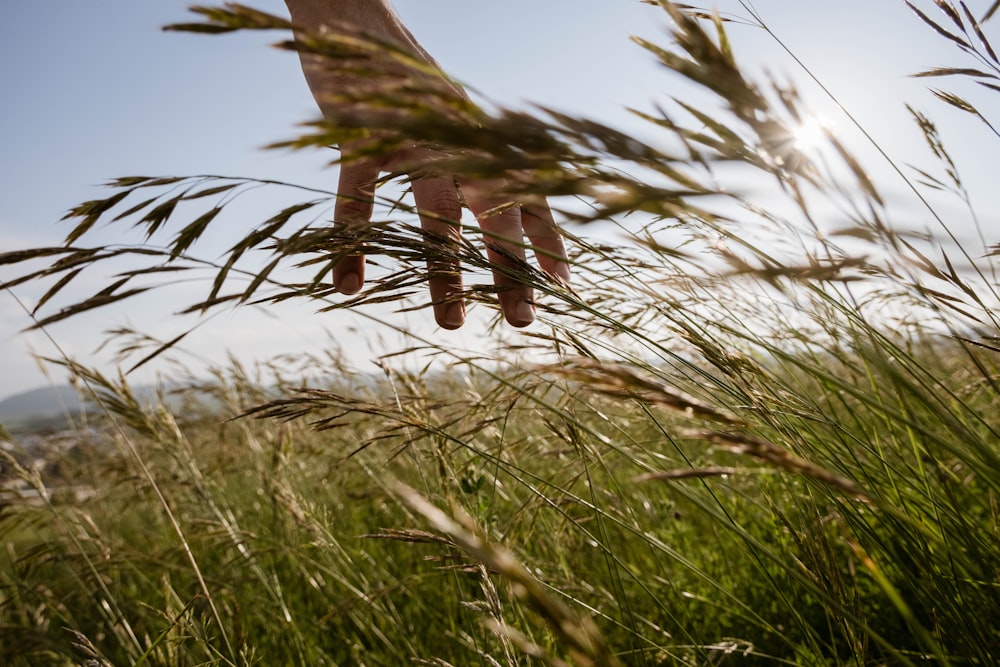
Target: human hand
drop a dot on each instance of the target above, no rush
(437, 197)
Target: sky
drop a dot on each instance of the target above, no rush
(92, 91)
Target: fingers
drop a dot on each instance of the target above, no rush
(438, 203)
(440, 212)
(355, 201)
(550, 252)
(504, 238)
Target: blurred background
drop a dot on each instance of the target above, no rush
(94, 91)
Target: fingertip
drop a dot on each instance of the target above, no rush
(450, 316)
(348, 283)
(520, 315)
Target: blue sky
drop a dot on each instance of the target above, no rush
(91, 91)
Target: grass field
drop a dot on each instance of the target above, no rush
(733, 441)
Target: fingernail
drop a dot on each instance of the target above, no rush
(349, 283)
(524, 314)
(454, 317)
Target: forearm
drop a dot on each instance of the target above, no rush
(375, 17)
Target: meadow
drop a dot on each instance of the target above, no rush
(764, 431)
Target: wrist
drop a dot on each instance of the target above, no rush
(369, 15)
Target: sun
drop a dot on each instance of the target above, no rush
(810, 133)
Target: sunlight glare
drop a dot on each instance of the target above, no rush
(810, 133)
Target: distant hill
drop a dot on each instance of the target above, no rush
(58, 407)
(42, 402)
(48, 408)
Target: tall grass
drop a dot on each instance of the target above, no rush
(764, 431)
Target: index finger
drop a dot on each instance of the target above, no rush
(355, 202)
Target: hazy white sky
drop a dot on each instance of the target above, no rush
(94, 90)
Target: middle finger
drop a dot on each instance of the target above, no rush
(440, 213)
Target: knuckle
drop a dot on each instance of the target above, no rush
(444, 202)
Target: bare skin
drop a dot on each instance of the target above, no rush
(437, 198)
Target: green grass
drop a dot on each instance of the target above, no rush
(734, 441)
(282, 523)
